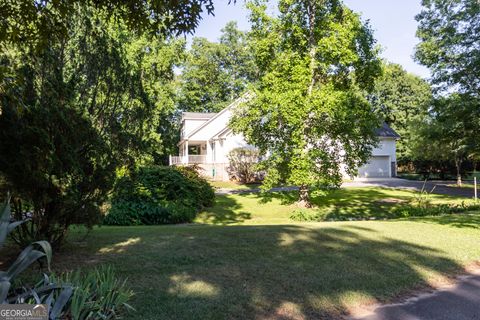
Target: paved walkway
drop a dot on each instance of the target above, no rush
(438, 187)
(460, 302)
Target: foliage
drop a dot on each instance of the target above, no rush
(98, 294)
(302, 215)
(26, 21)
(159, 195)
(76, 110)
(402, 99)
(35, 251)
(449, 33)
(54, 160)
(242, 166)
(309, 111)
(447, 132)
(216, 73)
(202, 190)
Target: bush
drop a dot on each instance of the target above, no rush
(202, 188)
(159, 195)
(56, 165)
(242, 165)
(304, 215)
(432, 210)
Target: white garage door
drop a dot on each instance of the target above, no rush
(377, 167)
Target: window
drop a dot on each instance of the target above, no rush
(194, 150)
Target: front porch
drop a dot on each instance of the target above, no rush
(185, 160)
(206, 155)
(192, 152)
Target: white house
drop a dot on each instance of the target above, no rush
(206, 140)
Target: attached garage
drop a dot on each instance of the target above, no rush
(377, 167)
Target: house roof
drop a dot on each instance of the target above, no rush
(198, 115)
(222, 132)
(213, 116)
(386, 131)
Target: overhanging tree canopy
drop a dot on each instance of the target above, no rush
(27, 20)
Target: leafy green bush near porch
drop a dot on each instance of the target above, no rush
(159, 195)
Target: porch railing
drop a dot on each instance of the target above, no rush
(190, 159)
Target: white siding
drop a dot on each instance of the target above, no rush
(191, 124)
(212, 128)
(387, 147)
(231, 142)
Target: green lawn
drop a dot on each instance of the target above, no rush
(233, 185)
(266, 267)
(294, 271)
(341, 204)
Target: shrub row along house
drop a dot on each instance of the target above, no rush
(206, 140)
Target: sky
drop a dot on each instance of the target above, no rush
(393, 22)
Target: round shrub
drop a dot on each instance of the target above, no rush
(159, 195)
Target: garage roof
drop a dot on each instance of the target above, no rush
(386, 131)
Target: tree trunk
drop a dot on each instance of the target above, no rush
(304, 197)
(458, 166)
(312, 8)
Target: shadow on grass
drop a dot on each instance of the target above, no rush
(259, 272)
(234, 185)
(345, 204)
(460, 220)
(224, 212)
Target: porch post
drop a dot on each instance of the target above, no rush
(186, 152)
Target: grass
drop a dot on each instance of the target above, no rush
(294, 271)
(233, 185)
(249, 261)
(466, 184)
(341, 204)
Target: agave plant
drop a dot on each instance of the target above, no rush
(56, 297)
(96, 295)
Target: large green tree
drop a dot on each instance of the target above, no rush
(309, 114)
(449, 33)
(215, 73)
(76, 110)
(402, 99)
(447, 132)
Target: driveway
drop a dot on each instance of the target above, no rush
(438, 187)
(460, 302)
